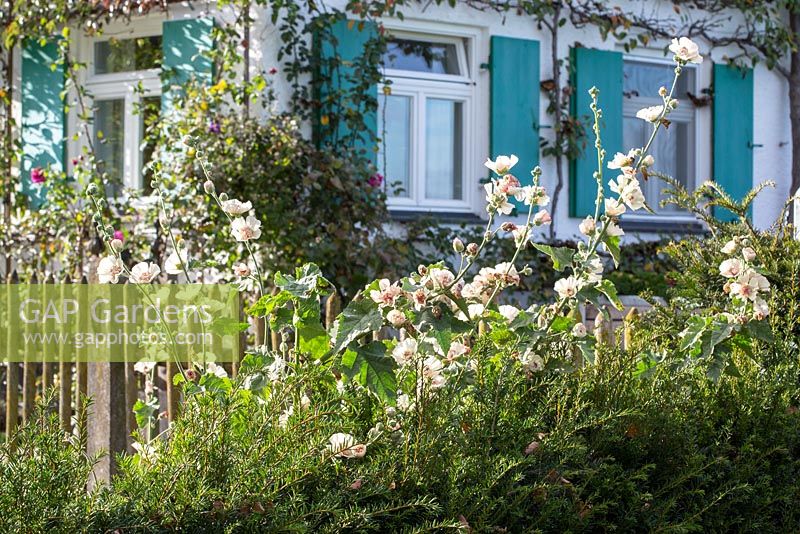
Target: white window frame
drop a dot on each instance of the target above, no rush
(420, 86)
(124, 86)
(684, 113)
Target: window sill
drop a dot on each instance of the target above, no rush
(440, 216)
(662, 226)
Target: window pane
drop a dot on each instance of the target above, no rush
(124, 55)
(109, 141)
(644, 79)
(671, 152)
(149, 112)
(443, 150)
(394, 124)
(420, 56)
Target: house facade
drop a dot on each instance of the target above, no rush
(460, 85)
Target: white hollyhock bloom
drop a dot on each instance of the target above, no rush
(613, 229)
(633, 197)
(241, 269)
(283, 418)
(730, 268)
(217, 370)
(396, 318)
(475, 310)
(650, 114)
(531, 361)
(748, 253)
(567, 287)
(730, 247)
(246, 229)
(144, 272)
(386, 294)
(648, 161)
(145, 451)
(621, 160)
(623, 182)
(587, 226)
(542, 217)
(502, 164)
(109, 269)
(405, 351)
(749, 285)
(686, 50)
(760, 309)
(456, 350)
(595, 269)
(473, 291)
(432, 367)
(614, 208)
(176, 262)
(440, 278)
(143, 367)
(497, 200)
(579, 330)
(508, 312)
(234, 207)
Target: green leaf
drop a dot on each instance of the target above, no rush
(561, 256)
(607, 288)
(306, 282)
(358, 318)
(313, 340)
(227, 326)
(612, 246)
(562, 324)
(372, 368)
(144, 411)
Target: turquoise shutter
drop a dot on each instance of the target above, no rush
(602, 69)
(514, 105)
(185, 47)
(346, 39)
(733, 133)
(43, 132)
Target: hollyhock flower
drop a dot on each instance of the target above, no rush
(456, 351)
(144, 272)
(375, 180)
(143, 367)
(613, 229)
(241, 269)
(431, 367)
(748, 253)
(579, 330)
(508, 312)
(588, 226)
(119, 234)
(730, 247)
(386, 294)
(633, 197)
(621, 160)
(475, 311)
(507, 273)
(283, 418)
(419, 298)
(596, 268)
(614, 207)
(404, 403)
(749, 285)
(497, 200)
(648, 161)
(109, 269)
(730, 268)
(502, 164)
(191, 375)
(623, 182)
(567, 287)
(404, 352)
(508, 185)
(176, 262)
(542, 217)
(37, 175)
(650, 114)
(531, 361)
(521, 234)
(760, 309)
(441, 278)
(216, 370)
(686, 50)
(473, 291)
(246, 229)
(396, 318)
(234, 207)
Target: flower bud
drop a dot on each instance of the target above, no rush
(91, 190)
(749, 254)
(508, 226)
(191, 375)
(208, 187)
(662, 91)
(421, 269)
(116, 244)
(648, 161)
(223, 197)
(396, 318)
(458, 245)
(673, 103)
(579, 330)
(472, 249)
(526, 271)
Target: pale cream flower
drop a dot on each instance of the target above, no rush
(588, 226)
(144, 272)
(568, 287)
(216, 370)
(650, 114)
(633, 197)
(234, 207)
(508, 312)
(730, 268)
(748, 253)
(344, 446)
(143, 367)
(456, 350)
(542, 217)
(241, 269)
(246, 229)
(760, 309)
(404, 351)
(502, 164)
(531, 361)
(176, 262)
(386, 294)
(109, 269)
(686, 50)
(613, 229)
(621, 160)
(614, 208)
(579, 330)
(730, 247)
(396, 318)
(749, 285)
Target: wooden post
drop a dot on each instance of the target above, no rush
(630, 319)
(65, 372)
(82, 379)
(28, 379)
(131, 393)
(173, 392)
(12, 371)
(332, 309)
(275, 337)
(47, 366)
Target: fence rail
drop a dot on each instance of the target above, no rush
(115, 387)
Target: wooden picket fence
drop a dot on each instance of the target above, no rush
(114, 388)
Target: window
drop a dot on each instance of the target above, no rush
(125, 84)
(423, 112)
(674, 147)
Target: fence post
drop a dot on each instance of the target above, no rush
(28, 378)
(12, 371)
(630, 319)
(332, 309)
(65, 372)
(47, 366)
(82, 379)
